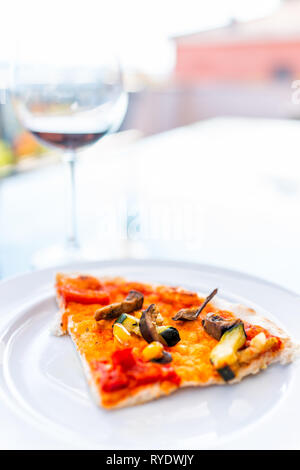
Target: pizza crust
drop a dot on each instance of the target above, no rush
(288, 353)
(249, 315)
(56, 327)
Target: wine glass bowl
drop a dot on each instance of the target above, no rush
(70, 109)
(68, 98)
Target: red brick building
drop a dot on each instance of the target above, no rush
(259, 50)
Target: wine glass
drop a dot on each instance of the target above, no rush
(68, 94)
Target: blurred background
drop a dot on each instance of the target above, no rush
(181, 64)
(212, 96)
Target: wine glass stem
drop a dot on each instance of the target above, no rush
(72, 234)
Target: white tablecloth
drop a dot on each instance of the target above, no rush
(223, 192)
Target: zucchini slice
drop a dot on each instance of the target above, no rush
(169, 335)
(224, 353)
(121, 334)
(129, 322)
(226, 373)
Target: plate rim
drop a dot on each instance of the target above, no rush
(48, 272)
(149, 261)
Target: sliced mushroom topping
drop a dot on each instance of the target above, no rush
(134, 301)
(148, 324)
(215, 325)
(149, 332)
(194, 312)
(164, 359)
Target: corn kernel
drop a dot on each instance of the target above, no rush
(121, 334)
(154, 350)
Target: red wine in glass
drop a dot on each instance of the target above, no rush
(68, 141)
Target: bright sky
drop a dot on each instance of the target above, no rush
(139, 28)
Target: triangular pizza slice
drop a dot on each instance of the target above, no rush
(139, 341)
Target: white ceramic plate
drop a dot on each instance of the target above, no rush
(45, 403)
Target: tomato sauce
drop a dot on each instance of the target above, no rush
(128, 371)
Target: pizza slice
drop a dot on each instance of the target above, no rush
(139, 341)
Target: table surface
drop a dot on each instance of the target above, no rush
(224, 191)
